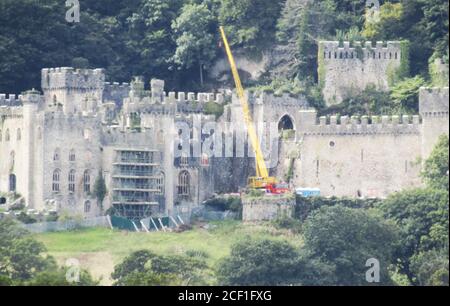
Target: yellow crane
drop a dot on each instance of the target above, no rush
(262, 178)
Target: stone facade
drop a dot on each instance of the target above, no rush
(345, 70)
(55, 145)
(267, 208)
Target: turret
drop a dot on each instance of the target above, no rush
(70, 88)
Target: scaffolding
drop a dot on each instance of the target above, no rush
(137, 186)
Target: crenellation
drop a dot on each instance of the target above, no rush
(191, 96)
(395, 120)
(181, 97)
(355, 125)
(348, 68)
(356, 147)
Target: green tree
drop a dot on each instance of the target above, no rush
(21, 257)
(431, 267)
(193, 36)
(369, 102)
(250, 24)
(435, 173)
(387, 25)
(22, 261)
(146, 268)
(422, 216)
(260, 263)
(345, 238)
(58, 278)
(405, 95)
(148, 33)
(100, 189)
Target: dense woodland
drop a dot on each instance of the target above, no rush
(178, 41)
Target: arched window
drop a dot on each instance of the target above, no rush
(12, 183)
(160, 181)
(56, 180)
(87, 181)
(7, 136)
(19, 134)
(12, 160)
(72, 181)
(285, 123)
(184, 183)
(57, 154)
(87, 206)
(72, 155)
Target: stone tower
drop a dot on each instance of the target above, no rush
(346, 70)
(75, 90)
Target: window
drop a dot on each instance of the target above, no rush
(87, 206)
(184, 160)
(87, 181)
(39, 132)
(56, 180)
(56, 155)
(19, 134)
(160, 137)
(7, 135)
(12, 183)
(12, 160)
(160, 183)
(184, 183)
(205, 160)
(72, 181)
(72, 156)
(87, 134)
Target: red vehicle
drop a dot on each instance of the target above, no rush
(277, 188)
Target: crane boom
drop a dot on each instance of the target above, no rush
(262, 175)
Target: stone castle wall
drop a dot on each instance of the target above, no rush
(356, 157)
(345, 70)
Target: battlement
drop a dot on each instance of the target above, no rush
(10, 100)
(9, 111)
(434, 101)
(117, 85)
(365, 125)
(70, 78)
(334, 50)
(182, 97)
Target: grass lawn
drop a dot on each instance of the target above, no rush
(99, 249)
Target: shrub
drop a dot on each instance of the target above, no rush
(305, 206)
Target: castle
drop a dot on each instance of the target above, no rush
(346, 69)
(161, 153)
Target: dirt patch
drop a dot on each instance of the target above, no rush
(99, 264)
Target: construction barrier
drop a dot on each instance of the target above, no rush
(124, 224)
(69, 225)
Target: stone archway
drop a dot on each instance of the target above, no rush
(286, 123)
